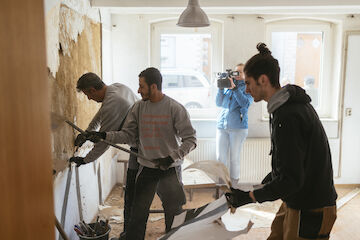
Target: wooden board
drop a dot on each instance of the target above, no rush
(193, 178)
(26, 201)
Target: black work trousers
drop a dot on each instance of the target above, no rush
(170, 191)
(130, 187)
(129, 195)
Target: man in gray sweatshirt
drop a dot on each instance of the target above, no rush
(116, 101)
(165, 135)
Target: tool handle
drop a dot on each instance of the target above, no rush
(107, 142)
(78, 231)
(124, 149)
(75, 127)
(61, 229)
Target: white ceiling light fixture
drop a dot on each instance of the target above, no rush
(193, 16)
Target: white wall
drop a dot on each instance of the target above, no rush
(131, 54)
(130, 39)
(107, 50)
(88, 178)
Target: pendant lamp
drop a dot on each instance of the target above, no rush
(193, 16)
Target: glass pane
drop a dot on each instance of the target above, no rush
(171, 81)
(299, 55)
(186, 68)
(192, 81)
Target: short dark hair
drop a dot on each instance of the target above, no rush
(152, 75)
(263, 63)
(89, 80)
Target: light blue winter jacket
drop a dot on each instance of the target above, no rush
(234, 103)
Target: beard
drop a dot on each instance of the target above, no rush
(146, 97)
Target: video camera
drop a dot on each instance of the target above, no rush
(223, 78)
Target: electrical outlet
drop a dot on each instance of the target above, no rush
(348, 112)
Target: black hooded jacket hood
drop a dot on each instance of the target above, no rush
(289, 93)
(297, 94)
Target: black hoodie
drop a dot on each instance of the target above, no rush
(302, 174)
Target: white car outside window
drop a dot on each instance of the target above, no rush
(190, 88)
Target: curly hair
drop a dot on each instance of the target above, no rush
(263, 63)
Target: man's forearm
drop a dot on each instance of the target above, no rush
(121, 137)
(187, 146)
(98, 149)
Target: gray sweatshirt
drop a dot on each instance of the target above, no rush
(162, 129)
(116, 104)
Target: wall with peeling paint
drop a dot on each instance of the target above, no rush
(79, 52)
(74, 47)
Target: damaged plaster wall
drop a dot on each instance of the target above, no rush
(52, 11)
(79, 52)
(73, 34)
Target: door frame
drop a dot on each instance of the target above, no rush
(342, 95)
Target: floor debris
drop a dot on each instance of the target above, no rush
(205, 223)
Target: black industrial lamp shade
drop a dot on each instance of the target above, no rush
(193, 16)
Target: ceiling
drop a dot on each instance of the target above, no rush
(233, 6)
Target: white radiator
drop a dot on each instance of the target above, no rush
(255, 159)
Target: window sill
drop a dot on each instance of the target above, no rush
(325, 119)
(203, 119)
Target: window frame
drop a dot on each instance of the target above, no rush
(168, 26)
(326, 78)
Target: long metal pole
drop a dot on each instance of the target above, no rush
(60, 229)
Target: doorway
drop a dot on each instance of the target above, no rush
(350, 139)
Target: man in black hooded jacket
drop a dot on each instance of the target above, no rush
(302, 174)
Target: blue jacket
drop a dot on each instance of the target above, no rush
(234, 104)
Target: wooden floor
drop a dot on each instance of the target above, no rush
(347, 225)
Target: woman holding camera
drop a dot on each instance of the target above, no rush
(232, 125)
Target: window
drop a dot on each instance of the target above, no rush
(188, 60)
(185, 58)
(299, 55)
(304, 51)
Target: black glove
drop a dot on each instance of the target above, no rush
(79, 140)
(78, 160)
(164, 163)
(237, 198)
(95, 136)
(267, 179)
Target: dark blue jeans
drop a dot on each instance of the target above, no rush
(170, 191)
